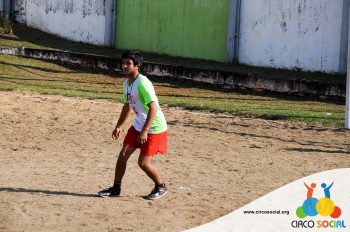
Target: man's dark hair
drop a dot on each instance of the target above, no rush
(135, 56)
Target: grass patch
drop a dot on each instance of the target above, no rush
(23, 74)
(5, 25)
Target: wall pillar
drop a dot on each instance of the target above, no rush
(233, 31)
(110, 23)
(347, 106)
(344, 38)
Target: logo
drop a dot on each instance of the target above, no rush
(323, 206)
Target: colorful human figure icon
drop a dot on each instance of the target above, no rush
(327, 193)
(310, 190)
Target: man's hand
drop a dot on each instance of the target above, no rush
(116, 132)
(142, 137)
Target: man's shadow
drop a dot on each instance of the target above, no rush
(48, 192)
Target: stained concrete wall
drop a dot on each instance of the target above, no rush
(5, 6)
(292, 34)
(77, 20)
(307, 35)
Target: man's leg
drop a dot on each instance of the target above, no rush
(160, 189)
(151, 171)
(123, 157)
(120, 167)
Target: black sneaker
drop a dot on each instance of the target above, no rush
(157, 192)
(110, 192)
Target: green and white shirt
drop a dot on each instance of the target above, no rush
(139, 94)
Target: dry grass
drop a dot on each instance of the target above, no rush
(22, 74)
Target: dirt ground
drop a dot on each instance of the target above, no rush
(57, 152)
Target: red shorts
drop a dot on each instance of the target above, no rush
(156, 143)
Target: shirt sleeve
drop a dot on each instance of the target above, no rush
(147, 93)
(123, 97)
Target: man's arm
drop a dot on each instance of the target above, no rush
(150, 117)
(122, 118)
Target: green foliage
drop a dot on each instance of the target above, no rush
(6, 25)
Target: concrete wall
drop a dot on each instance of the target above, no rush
(78, 20)
(187, 28)
(5, 6)
(308, 35)
(292, 34)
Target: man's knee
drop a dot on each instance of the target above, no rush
(143, 164)
(123, 156)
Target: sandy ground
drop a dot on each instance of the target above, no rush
(57, 152)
